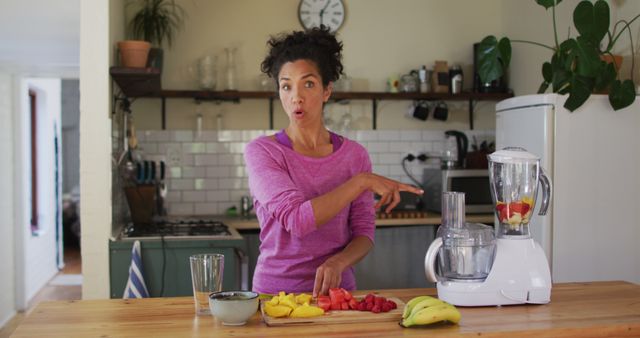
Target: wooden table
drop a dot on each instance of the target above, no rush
(576, 310)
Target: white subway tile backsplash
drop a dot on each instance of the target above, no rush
(217, 195)
(231, 183)
(238, 171)
(215, 147)
(411, 135)
(149, 148)
(432, 135)
(175, 172)
(180, 209)
(207, 174)
(205, 160)
(183, 136)
(390, 158)
(194, 148)
(381, 169)
(398, 147)
(182, 184)
(206, 183)
(194, 196)
(188, 160)
(193, 172)
(208, 136)
(378, 147)
(389, 135)
(217, 172)
(237, 147)
(173, 196)
(206, 209)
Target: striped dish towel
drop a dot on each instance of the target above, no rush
(136, 288)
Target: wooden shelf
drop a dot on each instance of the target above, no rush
(145, 82)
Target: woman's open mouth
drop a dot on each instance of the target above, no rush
(298, 113)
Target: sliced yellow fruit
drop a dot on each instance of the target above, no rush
(276, 310)
(303, 298)
(306, 311)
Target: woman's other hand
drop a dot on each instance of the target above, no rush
(328, 275)
(388, 189)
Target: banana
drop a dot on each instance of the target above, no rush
(433, 314)
(425, 304)
(412, 303)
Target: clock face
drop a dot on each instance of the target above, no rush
(313, 13)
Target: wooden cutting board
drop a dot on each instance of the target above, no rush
(336, 317)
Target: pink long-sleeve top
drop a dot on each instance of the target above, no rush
(282, 184)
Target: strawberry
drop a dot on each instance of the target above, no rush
(362, 306)
(336, 295)
(392, 304)
(378, 301)
(353, 304)
(386, 307)
(347, 294)
(369, 306)
(324, 302)
(344, 306)
(369, 298)
(376, 309)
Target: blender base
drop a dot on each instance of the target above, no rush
(520, 275)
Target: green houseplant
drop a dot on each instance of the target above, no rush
(577, 66)
(156, 21)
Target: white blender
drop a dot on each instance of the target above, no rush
(475, 268)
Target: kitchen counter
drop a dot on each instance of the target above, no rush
(244, 223)
(576, 310)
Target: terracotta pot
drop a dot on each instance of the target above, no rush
(134, 53)
(617, 63)
(616, 60)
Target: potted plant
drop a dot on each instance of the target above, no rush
(579, 66)
(156, 21)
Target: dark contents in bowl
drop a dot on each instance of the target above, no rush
(231, 295)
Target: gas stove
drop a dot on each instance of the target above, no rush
(180, 228)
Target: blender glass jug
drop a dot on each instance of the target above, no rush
(514, 174)
(465, 251)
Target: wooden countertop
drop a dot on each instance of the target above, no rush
(576, 310)
(241, 223)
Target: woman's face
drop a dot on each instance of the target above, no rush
(301, 92)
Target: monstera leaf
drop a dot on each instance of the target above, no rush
(622, 94)
(592, 21)
(494, 57)
(548, 3)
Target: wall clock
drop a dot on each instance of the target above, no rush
(313, 13)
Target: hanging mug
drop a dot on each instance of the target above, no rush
(441, 111)
(421, 110)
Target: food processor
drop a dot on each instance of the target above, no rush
(475, 267)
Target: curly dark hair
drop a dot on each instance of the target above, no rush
(317, 45)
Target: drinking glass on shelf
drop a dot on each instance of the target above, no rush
(207, 72)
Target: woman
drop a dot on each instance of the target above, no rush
(312, 189)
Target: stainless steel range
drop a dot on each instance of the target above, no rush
(166, 245)
(180, 228)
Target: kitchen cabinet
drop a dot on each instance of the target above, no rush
(400, 247)
(145, 82)
(166, 264)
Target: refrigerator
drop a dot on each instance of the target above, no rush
(592, 156)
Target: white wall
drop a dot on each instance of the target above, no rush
(7, 273)
(381, 39)
(95, 145)
(38, 252)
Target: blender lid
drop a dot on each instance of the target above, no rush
(513, 155)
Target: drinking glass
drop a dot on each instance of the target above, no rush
(206, 277)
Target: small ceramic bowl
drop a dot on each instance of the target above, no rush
(233, 307)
